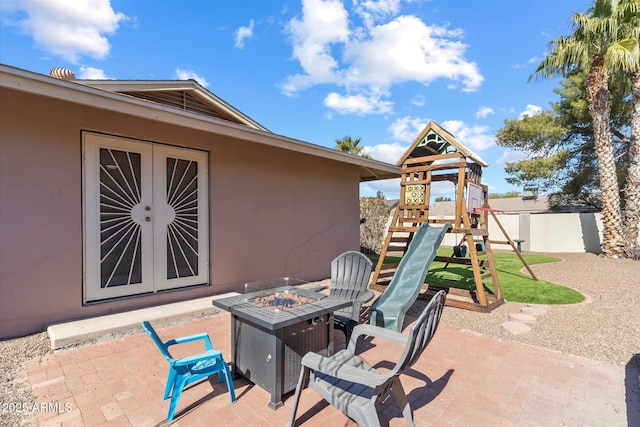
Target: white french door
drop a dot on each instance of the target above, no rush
(145, 217)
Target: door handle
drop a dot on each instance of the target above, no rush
(148, 219)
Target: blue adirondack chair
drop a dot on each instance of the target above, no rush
(185, 370)
(390, 308)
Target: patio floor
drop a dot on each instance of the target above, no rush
(463, 378)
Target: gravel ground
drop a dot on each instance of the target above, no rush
(12, 354)
(605, 327)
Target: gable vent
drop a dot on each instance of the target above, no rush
(183, 100)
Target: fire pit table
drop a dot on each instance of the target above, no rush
(272, 329)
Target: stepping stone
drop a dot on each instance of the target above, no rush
(516, 328)
(522, 318)
(534, 311)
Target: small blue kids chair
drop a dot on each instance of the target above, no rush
(186, 370)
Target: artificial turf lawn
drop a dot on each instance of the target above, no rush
(515, 286)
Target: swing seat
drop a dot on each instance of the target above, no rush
(460, 251)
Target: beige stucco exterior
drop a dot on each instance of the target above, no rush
(545, 232)
(273, 211)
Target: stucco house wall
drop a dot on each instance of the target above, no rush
(272, 211)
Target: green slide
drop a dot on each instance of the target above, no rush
(389, 309)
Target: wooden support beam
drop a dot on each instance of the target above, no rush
(452, 177)
(513, 245)
(462, 261)
(430, 159)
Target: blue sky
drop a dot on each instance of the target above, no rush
(317, 70)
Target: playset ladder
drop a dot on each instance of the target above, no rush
(411, 212)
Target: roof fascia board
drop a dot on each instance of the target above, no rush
(39, 84)
(137, 85)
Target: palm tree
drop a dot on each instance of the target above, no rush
(348, 145)
(597, 47)
(630, 18)
(632, 188)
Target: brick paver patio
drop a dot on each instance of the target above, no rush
(462, 379)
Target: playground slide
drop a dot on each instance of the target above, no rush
(390, 308)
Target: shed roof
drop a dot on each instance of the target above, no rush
(433, 140)
(200, 110)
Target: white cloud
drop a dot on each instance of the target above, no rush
(389, 153)
(374, 10)
(190, 75)
(68, 29)
(532, 60)
(91, 73)
(407, 128)
(531, 110)
(483, 112)
(473, 137)
(323, 23)
(357, 104)
(331, 49)
(510, 156)
(419, 101)
(406, 49)
(242, 34)
(389, 187)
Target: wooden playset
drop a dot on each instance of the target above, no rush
(436, 155)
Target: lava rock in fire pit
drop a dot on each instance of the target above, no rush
(282, 301)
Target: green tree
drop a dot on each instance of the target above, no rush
(349, 145)
(559, 144)
(598, 46)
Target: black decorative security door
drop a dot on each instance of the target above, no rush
(145, 212)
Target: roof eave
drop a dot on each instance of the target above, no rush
(42, 85)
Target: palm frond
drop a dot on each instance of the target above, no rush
(610, 28)
(623, 55)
